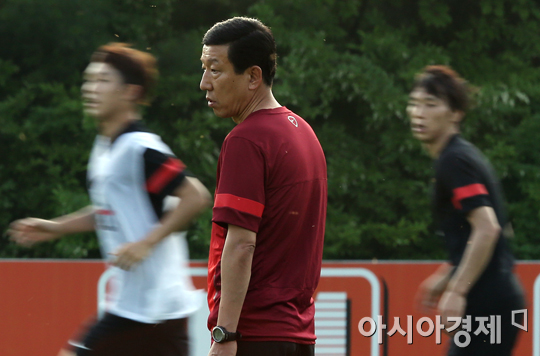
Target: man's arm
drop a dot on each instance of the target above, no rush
(194, 198)
(235, 274)
(485, 231)
(236, 262)
(28, 231)
(432, 288)
(82, 220)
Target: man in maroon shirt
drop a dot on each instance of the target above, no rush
(270, 202)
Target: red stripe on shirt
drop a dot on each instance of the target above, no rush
(164, 175)
(467, 192)
(104, 212)
(242, 204)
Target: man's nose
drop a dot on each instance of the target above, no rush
(88, 87)
(417, 111)
(205, 83)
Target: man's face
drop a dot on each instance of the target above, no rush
(103, 90)
(431, 117)
(227, 93)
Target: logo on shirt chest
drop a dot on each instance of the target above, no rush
(293, 120)
(105, 219)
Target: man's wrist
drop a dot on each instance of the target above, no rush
(457, 289)
(57, 228)
(221, 335)
(152, 240)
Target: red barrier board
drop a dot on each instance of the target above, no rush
(43, 303)
(402, 279)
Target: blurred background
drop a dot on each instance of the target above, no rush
(345, 66)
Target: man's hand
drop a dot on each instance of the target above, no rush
(131, 254)
(27, 232)
(452, 304)
(429, 292)
(223, 349)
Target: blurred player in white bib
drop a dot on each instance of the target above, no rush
(132, 175)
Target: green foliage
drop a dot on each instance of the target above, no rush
(345, 66)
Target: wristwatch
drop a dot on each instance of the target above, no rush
(220, 334)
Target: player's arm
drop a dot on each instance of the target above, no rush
(80, 221)
(28, 231)
(239, 205)
(194, 198)
(431, 289)
(485, 231)
(236, 260)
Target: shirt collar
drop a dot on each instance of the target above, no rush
(451, 142)
(132, 126)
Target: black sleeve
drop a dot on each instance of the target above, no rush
(464, 181)
(163, 173)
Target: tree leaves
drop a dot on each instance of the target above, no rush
(345, 66)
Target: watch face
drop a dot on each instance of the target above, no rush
(218, 334)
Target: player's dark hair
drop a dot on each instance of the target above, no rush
(251, 43)
(136, 67)
(446, 84)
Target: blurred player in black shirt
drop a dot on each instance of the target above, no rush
(469, 212)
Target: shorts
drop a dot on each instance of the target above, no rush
(273, 348)
(480, 345)
(114, 336)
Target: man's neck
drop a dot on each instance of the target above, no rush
(435, 148)
(265, 100)
(113, 126)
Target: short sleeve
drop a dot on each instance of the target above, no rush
(464, 181)
(240, 194)
(163, 173)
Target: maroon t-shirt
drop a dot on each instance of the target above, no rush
(271, 179)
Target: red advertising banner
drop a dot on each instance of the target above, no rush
(43, 303)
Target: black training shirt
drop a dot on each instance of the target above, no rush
(464, 181)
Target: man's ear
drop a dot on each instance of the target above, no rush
(255, 77)
(134, 92)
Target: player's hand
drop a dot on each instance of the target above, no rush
(27, 232)
(452, 304)
(223, 349)
(429, 292)
(131, 254)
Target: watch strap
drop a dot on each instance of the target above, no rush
(228, 336)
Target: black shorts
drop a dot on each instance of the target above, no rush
(481, 345)
(273, 348)
(114, 336)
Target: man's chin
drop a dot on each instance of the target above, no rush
(94, 114)
(221, 114)
(422, 137)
